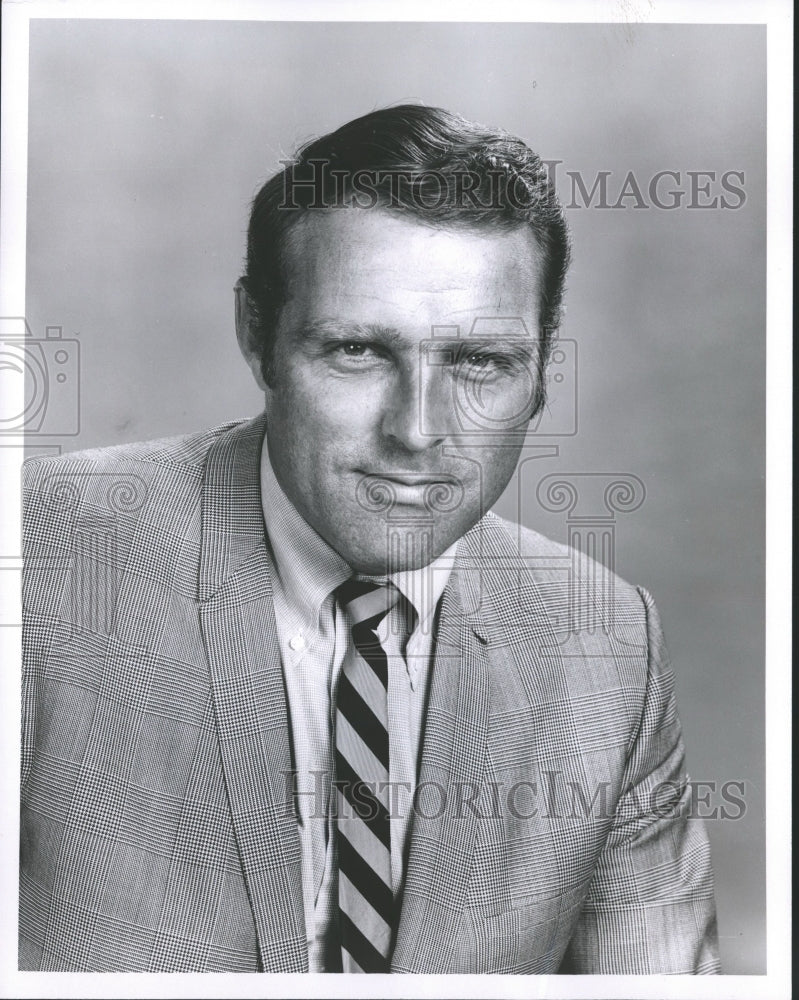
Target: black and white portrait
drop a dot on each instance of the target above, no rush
(390, 403)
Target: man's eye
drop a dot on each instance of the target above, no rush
(348, 355)
(356, 350)
(479, 363)
(480, 360)
(351, 350)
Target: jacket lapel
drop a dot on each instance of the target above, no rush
(491, 607)
(238, 622)
(453, 758)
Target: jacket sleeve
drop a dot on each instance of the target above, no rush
(650, 907)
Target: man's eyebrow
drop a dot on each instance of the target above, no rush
(342, 329)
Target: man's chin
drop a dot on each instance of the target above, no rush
(410, 550)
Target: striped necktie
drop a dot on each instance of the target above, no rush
(366, 902)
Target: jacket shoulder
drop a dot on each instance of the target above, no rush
(550, 563)
(150, 489)
(187, 452)
(579, 627)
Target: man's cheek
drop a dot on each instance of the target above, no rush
(348, 414)
(491, 474)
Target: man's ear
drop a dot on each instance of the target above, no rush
(249, 344)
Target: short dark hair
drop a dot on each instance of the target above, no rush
(435, 165)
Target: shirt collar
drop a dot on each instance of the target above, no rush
(423, 587)
(309, 569)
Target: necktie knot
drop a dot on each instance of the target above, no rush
(367, 602)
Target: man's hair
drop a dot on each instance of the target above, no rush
(423, 162)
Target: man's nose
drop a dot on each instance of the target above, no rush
(419, 411)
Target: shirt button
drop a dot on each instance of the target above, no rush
(297, 642)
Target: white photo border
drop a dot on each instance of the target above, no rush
(778, 18)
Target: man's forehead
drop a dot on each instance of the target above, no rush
(348, 229)
(369, 258)
(406, 283)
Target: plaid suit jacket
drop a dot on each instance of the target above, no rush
(552, 831)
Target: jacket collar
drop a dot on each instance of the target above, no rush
(239, 629)
(491, 614)
(232, 517)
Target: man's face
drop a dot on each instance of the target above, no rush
(391, 413)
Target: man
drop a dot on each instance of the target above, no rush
(293, 697)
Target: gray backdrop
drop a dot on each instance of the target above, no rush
(148, 140)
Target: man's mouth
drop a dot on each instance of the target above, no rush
(382, 490)
(411, 478)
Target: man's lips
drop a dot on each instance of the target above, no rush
(412, 478)
(383, 489)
